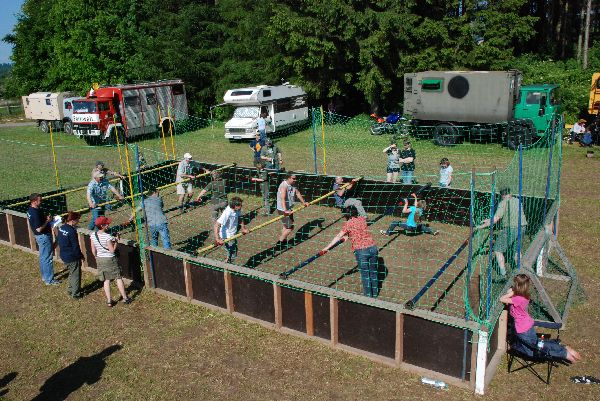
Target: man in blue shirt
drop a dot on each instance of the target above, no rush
(262, 126)
(41, 227)
(256, 145)
(156, 219)
(97, 194)
(70, 252)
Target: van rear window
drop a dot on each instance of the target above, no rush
(241, 93)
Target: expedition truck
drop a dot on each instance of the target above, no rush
(129, 110)
(50, 109)
(285, 106)
(593, 117)
(479, 106)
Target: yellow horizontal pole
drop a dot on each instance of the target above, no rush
(274, 219)
(85, 186)
(145, 192)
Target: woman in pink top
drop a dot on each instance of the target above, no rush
(364, 247)
(518, 299)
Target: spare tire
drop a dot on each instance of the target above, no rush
(446, 134)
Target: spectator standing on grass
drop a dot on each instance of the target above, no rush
(286, 194)
(226, 226)
(103, 248)
(256, 145)
(40, 224)
(393, 164)
(446, 171)
(507, 214)
(270, 155)
(262, 126)
(183, 177)
(407, 160)
(156, 219)
(97, 194)
(70, 252)
(364, 248)
(342, 201)
(218, 200)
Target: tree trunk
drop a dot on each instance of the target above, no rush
(580, 36)
(586, 37)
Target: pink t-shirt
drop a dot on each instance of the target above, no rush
(359, 234)
(518, 310)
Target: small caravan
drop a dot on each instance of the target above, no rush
(285, 106)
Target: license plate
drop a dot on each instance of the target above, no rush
(237, 137)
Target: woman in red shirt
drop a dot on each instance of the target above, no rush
(364, 247)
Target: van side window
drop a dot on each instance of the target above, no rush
(241, 93)
(432, 85)
(177, 89)
(68, 106)
(103, 106)
(283, 105)
(267, 93)
(47, 102)
(133, 102)
(298, 102)
(150, 99)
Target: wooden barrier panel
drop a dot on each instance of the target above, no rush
(129, 260)
(208, 285)
(168, 273)
(367, 328)
(436, 347)
(87, 252)
(321, 316)
(253, 297)
(293, 309)
(21, 230)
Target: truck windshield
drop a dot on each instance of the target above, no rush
(533, 98)
(246, 112)
(84, 107)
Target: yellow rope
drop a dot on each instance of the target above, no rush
(115, 129)
(171, 126)
(324, 147)
(54, 158)
(162, 134)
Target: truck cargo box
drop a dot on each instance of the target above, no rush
(45, 105)
(462, 96)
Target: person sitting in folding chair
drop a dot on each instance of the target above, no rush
(526, 341)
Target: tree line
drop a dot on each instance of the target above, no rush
(352, 53)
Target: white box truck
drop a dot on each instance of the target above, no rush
(285, 106)
(50, 108)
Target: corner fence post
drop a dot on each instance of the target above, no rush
(520, 223)
(314, 127)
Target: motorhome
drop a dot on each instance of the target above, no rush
(284, 105)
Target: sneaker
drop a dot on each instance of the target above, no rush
(383, 232)
(53, 282)
(436, 232)
(127, 301)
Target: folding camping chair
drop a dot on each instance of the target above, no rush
(539, 358)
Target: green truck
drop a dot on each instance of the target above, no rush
(479, 106)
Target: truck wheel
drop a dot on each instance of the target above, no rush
(446, 134)
(91, 140)
(68, 127)
(44, 127)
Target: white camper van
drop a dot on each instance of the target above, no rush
(285, 106)
(50, 108)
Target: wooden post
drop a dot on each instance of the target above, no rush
(502, 330)
(333, 316)
(277, 306)
(308, 308)
(11, 229)
(147, 270)
(187, 274)
(228, 291)
(399, 356)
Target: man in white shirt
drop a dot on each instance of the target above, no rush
(577, 131)
(226, 226)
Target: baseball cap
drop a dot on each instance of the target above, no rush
(582, 121)
(102, 221)
(187, 156)
(98, 174)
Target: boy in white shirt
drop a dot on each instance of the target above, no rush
(226, 226)
(445, 173)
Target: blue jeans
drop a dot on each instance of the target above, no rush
(163, 231)
(407, 177)
(232, 249)
(528, 341)
(263, 135)
(96, 212)
(367, 264)
(44, 242)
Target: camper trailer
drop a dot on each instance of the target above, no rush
(50, 109)
(285, 106)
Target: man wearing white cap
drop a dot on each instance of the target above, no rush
(184, 171)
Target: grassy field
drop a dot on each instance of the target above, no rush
(155, 349)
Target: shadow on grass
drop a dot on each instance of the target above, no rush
(85, 370)
(191, 244)
(4, 382)
(91, 287)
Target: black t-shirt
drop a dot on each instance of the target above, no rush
(404, 153)
(69, 244)
(37, 218)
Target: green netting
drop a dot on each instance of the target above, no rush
(443, 273)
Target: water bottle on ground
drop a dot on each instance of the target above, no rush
(435, 383)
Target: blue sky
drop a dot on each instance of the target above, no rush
(8, 11)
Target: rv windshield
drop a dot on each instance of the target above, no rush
(246, 112)
(84, 107)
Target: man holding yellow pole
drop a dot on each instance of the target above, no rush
(286, 194)
(97, 193)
